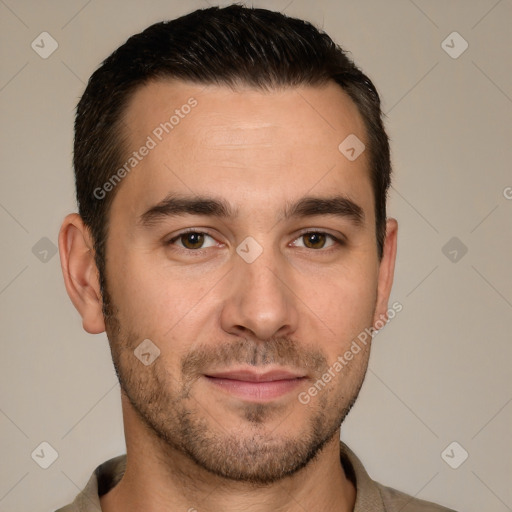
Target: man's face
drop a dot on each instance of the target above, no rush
(243, 325)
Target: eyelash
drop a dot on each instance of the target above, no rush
(338, 242)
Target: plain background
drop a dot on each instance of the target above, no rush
(440, 371)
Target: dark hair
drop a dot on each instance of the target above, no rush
(231, 46)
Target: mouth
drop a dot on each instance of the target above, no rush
(256, 386)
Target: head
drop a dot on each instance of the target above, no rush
(227, 122)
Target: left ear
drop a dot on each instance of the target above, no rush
(386, 271)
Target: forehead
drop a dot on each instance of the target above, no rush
(246, 143)
(315, 111)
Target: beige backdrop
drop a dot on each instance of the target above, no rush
(439, 372)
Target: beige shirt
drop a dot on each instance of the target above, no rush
(371, 496)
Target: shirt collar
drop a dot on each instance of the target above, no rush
(107, 475)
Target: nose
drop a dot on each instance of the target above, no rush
(260, 302)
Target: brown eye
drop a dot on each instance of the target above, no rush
(314, 240)
(192, 240)
(317, 240)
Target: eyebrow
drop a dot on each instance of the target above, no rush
(309, 206)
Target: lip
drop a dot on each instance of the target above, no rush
(256, 386)
(253, 376)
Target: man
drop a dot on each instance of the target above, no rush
(231, 171)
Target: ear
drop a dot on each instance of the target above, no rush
(81, 275)
(386, 272)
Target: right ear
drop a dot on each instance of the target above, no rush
(80, 272)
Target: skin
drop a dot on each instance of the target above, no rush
(298, 306)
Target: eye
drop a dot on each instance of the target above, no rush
(317, 240)
(192, 240)
(195, 240)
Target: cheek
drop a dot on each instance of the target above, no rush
(152, 298)
(342, 300)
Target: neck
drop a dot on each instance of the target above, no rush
(159, 478)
